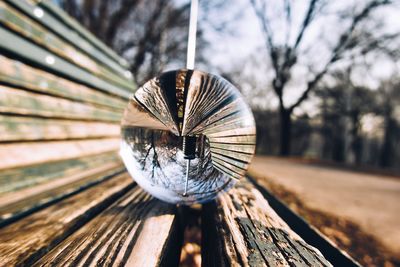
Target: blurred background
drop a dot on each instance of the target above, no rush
(322, 77)
(323, 80)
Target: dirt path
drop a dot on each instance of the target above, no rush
(371, 201)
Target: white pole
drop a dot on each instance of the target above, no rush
(191, 53)
(191, 50)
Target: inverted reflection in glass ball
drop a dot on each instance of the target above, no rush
(179, 104)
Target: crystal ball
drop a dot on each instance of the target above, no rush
(187, 105)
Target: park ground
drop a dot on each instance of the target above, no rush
(357, 210)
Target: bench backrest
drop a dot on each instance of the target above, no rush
(62, 93)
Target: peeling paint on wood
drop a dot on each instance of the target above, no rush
(241, 229)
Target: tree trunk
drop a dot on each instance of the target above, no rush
(387, 146)
(357, 142)
(285, 131)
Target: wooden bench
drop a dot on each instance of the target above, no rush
(66, 198)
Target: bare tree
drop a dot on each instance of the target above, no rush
(284, 55)
(151, 35)
(389, 100)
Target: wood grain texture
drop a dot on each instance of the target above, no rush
(137, 230)
(26, 103)
(16, 179)
(59, 23)
(153, 96)
(137, 116)
(27, 240)
(15, 204)
(14, 128)
(22, 154)
(23, 25)
(241, 229)
(22, 75)
(21, 48)
(64, 19)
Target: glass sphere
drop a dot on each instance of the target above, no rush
(187, 121)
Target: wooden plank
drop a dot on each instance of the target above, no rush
(152, 96)
(15, 179)
(238, 148)
(26, 240)
(227, 165)
(137, 116)
(135, 231)
(227, 171)
(308, 232)
(227, 124)
(73, 24)
(33, 31)
(34, 54)
(232, 163)
(245, 157)
(23, 154)
(16, 204)
(238, 139)
(21, 102)
(241, 229)
(40, 13)
(242, 165)
(234, 132)
(14, 129)
(22, 75)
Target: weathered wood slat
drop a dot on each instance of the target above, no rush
(241, 229)
(245, 157)
(21, 102)
(231, 160)
(206, 94)
(14, 129)
(152, 97)
(30, 29)
(15, 179)
(22, 75)
(239, 139)
(12, 43)
(228, 111)
(137, 230)
(40, 12)
(65, 19)
(228, 124)
(238, 148)
(227, 171)
(26, 240)
(136, 116)
(22, 154)
(15, 204)
(233, 132)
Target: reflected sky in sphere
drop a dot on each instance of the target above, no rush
(156, 159)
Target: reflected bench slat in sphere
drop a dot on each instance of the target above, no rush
(195, 104)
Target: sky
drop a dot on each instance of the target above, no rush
(241, 48)
(245, 49)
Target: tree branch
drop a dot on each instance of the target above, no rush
(306, 22)
(118, 18)
(339, 48)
